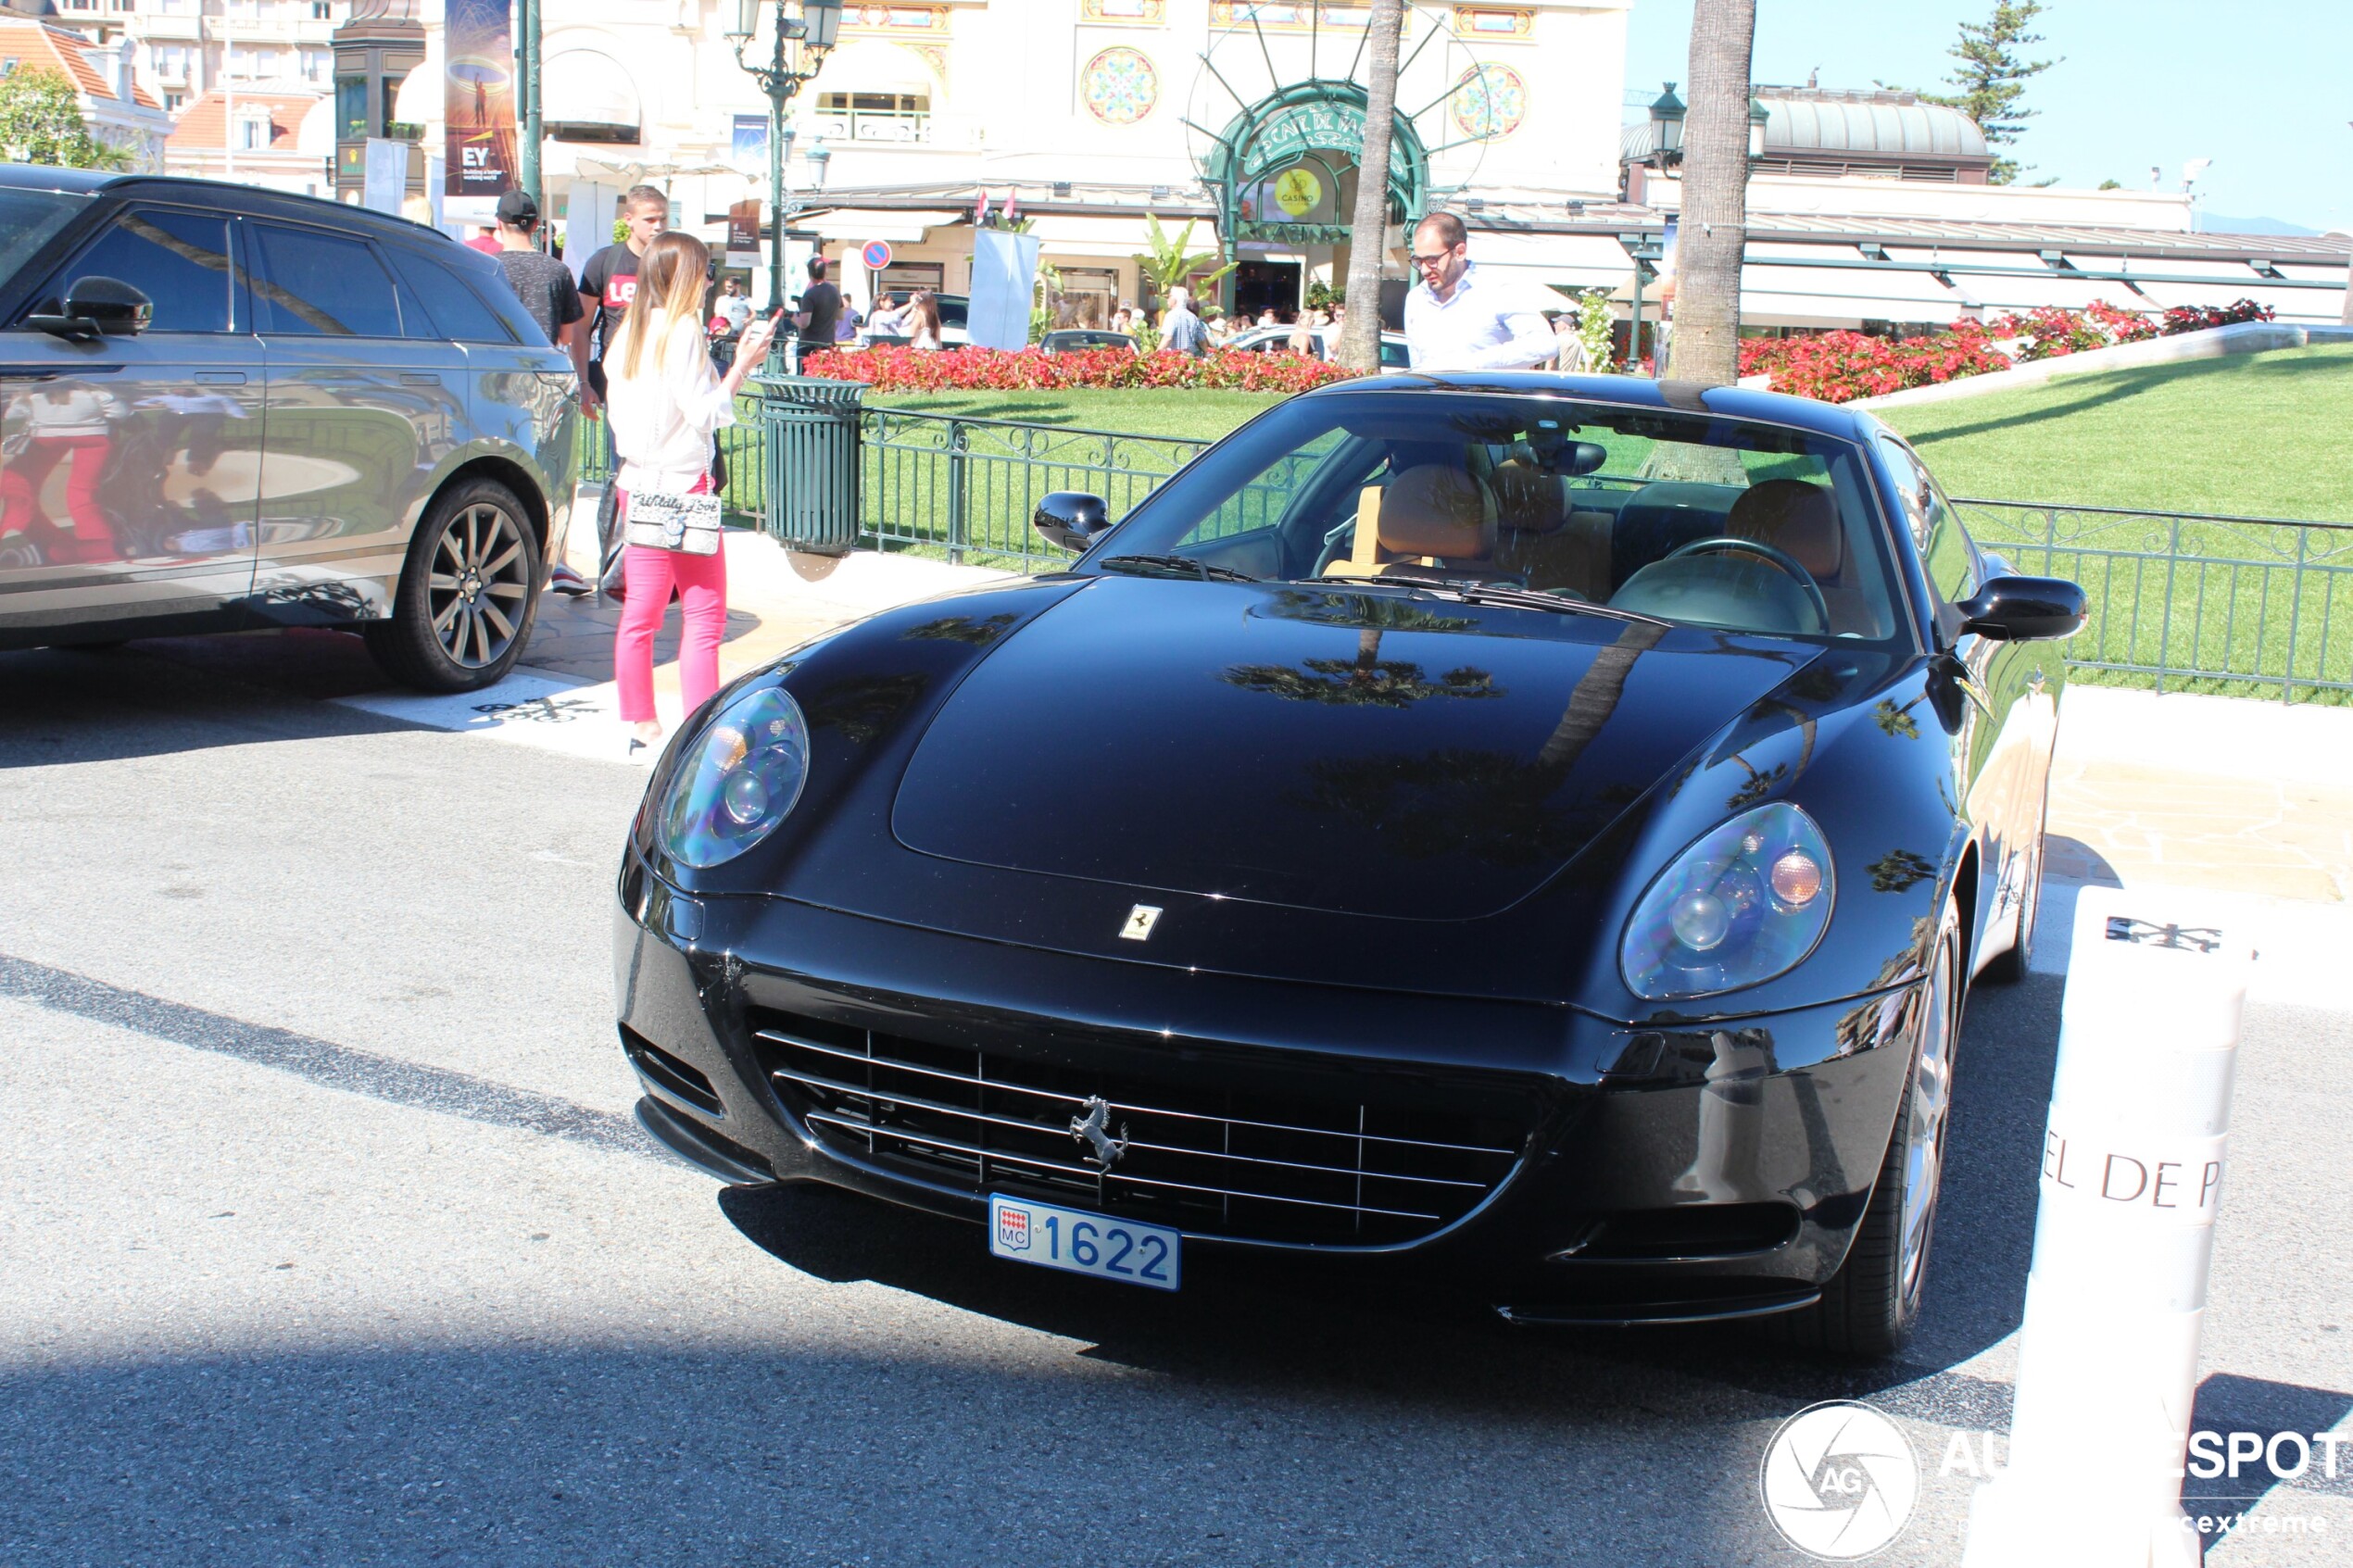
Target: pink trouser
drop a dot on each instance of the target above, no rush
(702, 585)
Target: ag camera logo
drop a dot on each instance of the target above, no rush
(1839, 1480)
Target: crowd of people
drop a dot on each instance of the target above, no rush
(661, 346)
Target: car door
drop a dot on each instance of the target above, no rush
(130, 465)
(2010, 707)
(360, 414)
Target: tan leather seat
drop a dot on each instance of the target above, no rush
(1801, 520)
(1431, 517)
(1541, 538)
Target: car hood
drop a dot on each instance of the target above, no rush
(1366, 752)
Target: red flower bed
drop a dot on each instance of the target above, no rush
(2051, 333)
(1841, 367)
(2197, 317)
(1030, 370)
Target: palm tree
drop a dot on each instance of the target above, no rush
(1715, 216)
(1368, 226)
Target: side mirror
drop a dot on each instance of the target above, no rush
(94, 307)
(1071, 519)
(2022, 609)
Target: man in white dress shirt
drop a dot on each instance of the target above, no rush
(1457, 321)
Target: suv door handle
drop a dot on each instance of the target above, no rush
(221, 377)
(420, 378)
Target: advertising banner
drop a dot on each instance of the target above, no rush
(748, 148)
(1004, 271)
(743, 234)
(478, 104)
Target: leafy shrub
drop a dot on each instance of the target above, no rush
(1030, 370)
(1841, 367)
(2197, 317)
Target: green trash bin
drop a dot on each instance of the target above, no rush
(810, 462)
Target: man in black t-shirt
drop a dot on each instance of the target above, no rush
(543, 284)
(610, 281)
(820, 309)
(607, 286)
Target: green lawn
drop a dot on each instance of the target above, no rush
(1200, 415)
(2252, 435)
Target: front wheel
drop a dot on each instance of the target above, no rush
(1868, 1307)
(468, 593)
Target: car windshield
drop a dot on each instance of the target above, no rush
(29, 219)
(1686, 518)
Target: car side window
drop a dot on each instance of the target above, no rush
(182, 261)
(1946, 555)
(446, 303)
(320, 284)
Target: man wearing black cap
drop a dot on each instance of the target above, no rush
(545, 286)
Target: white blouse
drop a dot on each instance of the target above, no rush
(663, 419)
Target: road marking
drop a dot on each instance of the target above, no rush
(528, 707)
(324, 1062)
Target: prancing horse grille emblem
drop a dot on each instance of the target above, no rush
(1091, 1126)
(1139, 923)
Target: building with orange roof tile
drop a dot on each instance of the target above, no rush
(283, 141)
(118, 111)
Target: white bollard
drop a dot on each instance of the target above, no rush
(2132, 1179)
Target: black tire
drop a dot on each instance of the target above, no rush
(1867, 1309)
(468, 592)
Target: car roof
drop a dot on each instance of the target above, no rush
(1635, 391)
(234, 197)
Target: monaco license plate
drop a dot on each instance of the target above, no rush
(1083, 1243)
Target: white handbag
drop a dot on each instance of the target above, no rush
(662, 521)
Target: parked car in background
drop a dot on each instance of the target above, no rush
(1493, 862)
(953, 308)
(224, 407)
(1394, 357)
(1071, 338)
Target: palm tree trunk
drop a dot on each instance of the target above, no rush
(1715, 217)
(1594, 699)
(1368, 234)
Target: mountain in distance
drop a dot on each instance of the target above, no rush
(2215, 223)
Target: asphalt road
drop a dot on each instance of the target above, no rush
(325, 1235)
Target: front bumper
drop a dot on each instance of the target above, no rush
(1654, 1174)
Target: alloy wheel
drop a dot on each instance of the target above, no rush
(1926, 1110)
(479, 585)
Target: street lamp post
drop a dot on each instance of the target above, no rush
(806, 31)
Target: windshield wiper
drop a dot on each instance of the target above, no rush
(1172, 566)
(1522, 599)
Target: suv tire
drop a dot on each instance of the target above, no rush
(468, 592)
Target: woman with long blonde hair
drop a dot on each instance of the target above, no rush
(663, 403)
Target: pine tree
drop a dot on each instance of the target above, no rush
(41, 123)
(1993, 77)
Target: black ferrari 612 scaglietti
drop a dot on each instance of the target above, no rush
(1542, 827)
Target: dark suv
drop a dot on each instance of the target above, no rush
(224, 408)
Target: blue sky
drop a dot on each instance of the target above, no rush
(2262, 87)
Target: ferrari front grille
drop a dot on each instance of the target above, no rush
(1317, 1162)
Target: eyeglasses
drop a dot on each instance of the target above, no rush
(1430, 260)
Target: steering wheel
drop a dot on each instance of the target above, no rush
(1772, 556)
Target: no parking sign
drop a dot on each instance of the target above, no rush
(876, 254)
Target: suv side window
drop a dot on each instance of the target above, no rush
(182, 261)
(450, 306)
(321, 284)
(1947, 553)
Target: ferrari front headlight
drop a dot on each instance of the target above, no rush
(740, 777)
(1746, 902)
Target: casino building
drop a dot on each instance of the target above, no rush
(1244, 117)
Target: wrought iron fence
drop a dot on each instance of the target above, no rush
(969, 487)
(2189, 602)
